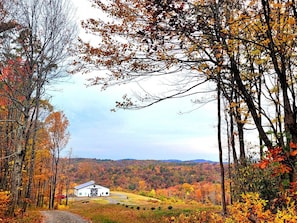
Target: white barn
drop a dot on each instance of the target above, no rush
(90, 189)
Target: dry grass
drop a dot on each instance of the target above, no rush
(119, 213)
(127, 208)
(31, 216)
(131, 208)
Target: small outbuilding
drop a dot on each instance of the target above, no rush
(90, 189)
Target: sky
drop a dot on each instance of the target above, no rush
(159, 132)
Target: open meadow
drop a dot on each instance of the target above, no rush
(123, 207)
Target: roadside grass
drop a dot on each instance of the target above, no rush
(31, 216)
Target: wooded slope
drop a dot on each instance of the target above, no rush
(142, 174)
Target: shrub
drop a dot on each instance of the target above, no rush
(203, 216)
(251, 209)
(249, 178)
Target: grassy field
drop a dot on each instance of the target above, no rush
(123, 207)
(126, 208)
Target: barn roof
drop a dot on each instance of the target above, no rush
(92, 182)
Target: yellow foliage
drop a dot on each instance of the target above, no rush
(200, 216)
(291, 21)
(62, 207)
(256, 52)
(288, 215)
(253, 208)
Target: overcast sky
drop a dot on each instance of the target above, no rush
(157, 132)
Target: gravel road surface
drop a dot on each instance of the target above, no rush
(62, 217)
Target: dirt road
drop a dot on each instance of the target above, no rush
(62, 217)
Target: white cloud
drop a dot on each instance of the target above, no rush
(156, 132)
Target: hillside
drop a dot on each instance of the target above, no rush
(138, 175)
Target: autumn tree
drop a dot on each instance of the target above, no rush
(37, 144)
(154, 39)
(33, 55)
(42, 169)
(267, 40)
(6, 24)
(250, 44)
(66, 171)
(56, 124)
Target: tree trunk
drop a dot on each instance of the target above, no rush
(53, 183)
(229, 154)
(16, 181)
(259, 90)
(241, 142)
(34, 121)
(234, 153)
(224, 207)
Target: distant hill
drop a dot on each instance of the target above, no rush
(189, 161)
(167, 161)
(132, 174)
(177, 161)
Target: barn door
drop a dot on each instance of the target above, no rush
(94, 192)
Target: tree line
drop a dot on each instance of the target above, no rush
(138, 175)
(169, 181)
(35, 39)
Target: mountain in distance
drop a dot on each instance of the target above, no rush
(177, 161)
(189, 161)
(165, 161)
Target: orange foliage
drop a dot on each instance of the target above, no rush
(293, 153)
(4, 203)
(204, 192)
(157, 175)
(293, 145)
(277, 156)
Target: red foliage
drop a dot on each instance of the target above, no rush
(14, 74)
(275, 155)
(293, 147)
